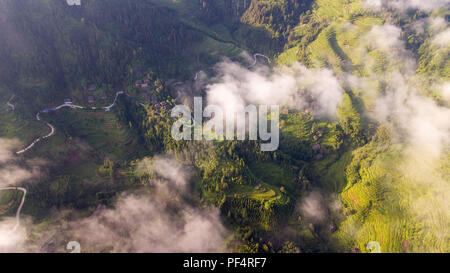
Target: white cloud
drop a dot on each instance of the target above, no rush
(313, 208)
(442, 39)
(11, 241)
(296, 87)
(159, 221)
(147, 223)
(404, 5)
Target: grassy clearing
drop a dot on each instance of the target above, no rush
(333, 168)
(209, 51)
(273, 187)
(274, 175)
(100, 130)
(298, 127)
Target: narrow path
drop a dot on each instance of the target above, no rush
(255, 60)
(10, 104)
(16, 226)
(108, 108)
(259, 55)
(176, 83)
(52, 129)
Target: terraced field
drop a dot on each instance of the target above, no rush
(337, 10)
(336, 45)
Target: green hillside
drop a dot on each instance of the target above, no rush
(376, 171)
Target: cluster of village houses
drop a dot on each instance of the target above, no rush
(154, 101)
(316, 147)
(147, 84)
(90, 98)
(144, 84)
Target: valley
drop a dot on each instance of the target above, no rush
(363, 124)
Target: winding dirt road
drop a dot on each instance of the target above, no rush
(16, 226)
(52, 129)
(108, 108)
(10, 104)
(256, 60)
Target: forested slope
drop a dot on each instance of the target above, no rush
(375, 169)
